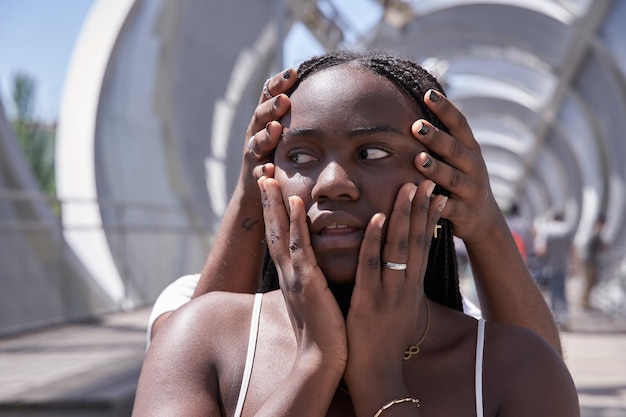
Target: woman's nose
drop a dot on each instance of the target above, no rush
(334, 183)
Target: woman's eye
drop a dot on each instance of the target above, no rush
(300, 158)
(372, 153)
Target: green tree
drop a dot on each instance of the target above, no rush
(35, 138)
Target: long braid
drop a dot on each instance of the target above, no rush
(441, 282)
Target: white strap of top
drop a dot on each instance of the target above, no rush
(247, 372)
(480, 345)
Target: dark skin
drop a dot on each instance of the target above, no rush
(507, 292)
(333, 211)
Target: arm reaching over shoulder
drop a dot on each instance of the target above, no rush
(242, 230)
(235, 260)
(506, 290)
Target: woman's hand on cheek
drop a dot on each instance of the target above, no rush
(472, 207)
(317, 321)
(386, 312)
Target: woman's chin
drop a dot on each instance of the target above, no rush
(339, 272)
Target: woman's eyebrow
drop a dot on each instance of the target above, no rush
(291, 133)
(368, 130)
(304, 132)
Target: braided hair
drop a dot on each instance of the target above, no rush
(441, 282)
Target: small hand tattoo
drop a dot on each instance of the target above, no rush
(248, 224)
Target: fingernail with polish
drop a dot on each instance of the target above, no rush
(286, 74)
(433, 96)
(427, 163)
(423, 130)
(275, 104)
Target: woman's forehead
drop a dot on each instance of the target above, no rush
(346, 78)
(349, 88)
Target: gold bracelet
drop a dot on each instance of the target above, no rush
(397, 401)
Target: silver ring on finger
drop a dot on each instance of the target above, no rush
(266, 89)
(394, 266)
(250, 149)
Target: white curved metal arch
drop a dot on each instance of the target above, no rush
(75, 162)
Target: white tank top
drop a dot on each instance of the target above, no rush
(254, 331)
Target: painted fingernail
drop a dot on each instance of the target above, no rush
(275, 104)
(430, 189)
(423, 130)
(286, 74)
(427, 163)
(433, 96)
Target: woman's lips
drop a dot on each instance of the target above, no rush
(336, 229)
(337, 236)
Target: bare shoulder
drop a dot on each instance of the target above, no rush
(199, 349)
(526, 373)
(199, 322)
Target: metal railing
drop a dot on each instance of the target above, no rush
(149, 229)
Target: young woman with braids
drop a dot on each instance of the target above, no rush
(507, 292)
(367, 319)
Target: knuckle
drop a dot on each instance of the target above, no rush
(403, 246)
(422, 242)
(435, 138)
(458, 150)
(436, 169)
(461, 121)
(273, 236)
(373, 262)
(455, 179)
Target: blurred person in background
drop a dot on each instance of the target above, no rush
(553, 244)
(592, 260)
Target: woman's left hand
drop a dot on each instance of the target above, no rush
(387, 312)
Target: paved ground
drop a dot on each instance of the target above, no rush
(87, 369)
(91, 369)
(595, 351)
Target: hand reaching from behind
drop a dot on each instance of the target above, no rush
(241, 229)
(506, 290)
(472, 208)
(264, 130)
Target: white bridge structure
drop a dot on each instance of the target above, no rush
(159, 94)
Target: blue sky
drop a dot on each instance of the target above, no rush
(37, 37)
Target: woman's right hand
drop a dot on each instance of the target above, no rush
(318, 325)
(317, 321)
